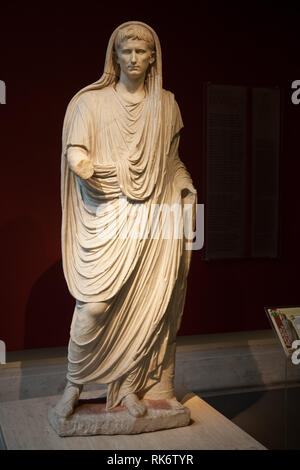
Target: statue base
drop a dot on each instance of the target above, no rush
(91, 418)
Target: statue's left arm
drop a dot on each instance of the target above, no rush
(181, 177)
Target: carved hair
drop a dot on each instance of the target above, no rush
(134, 32)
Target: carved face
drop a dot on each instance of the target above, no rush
(134, 57)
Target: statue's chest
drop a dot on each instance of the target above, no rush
(121, 129)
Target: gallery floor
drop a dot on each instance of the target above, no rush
(271, 416)
(245, 397)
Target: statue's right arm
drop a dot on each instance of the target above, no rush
(79, 162)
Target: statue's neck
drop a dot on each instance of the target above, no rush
(132, 90)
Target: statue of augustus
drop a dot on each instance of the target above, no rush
(120, 149)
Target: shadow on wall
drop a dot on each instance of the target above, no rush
(49, 311)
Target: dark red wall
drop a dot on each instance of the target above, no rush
(48, 55)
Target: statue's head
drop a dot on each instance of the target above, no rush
(135, 38)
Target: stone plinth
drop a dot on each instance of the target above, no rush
(91, 418)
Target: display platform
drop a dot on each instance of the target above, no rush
(90, 418)
(24, 426)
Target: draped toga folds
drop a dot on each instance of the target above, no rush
(111, 252)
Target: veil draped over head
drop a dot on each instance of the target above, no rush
(145, 279)
(142, 162)
(109, 77)
(154, 78)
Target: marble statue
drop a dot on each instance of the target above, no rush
(120, 145)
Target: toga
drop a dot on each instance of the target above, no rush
(114, 243)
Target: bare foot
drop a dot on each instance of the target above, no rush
(69, 399)
(135, 407)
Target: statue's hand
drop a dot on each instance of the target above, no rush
(188, 190)
(80, 163)
(188, 200)
(185, 188)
